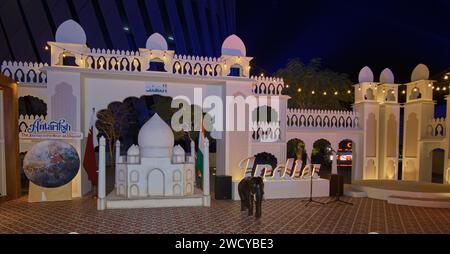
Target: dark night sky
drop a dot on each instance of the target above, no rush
(348, 34)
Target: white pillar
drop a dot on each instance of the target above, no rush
(207, 198)
(193, 151)
(118, 151)
(334, 170)
(101, 202)
(117, 160)
(309, 149)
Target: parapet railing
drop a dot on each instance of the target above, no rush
(267, 85)
(311, 118)
(436, 127)
(24, 72)
(266, 131)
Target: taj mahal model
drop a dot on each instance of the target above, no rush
(155, 150)
(154, 172)
(156, 168)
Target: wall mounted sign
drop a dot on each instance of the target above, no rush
(156, 88)
(56, 129)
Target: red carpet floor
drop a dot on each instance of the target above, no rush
(279, 216)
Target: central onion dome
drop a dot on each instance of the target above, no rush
(156, 139)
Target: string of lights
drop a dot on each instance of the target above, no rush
(441, 87)
(437, 88)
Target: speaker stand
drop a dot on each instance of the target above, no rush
(311, 200)
(338, 196)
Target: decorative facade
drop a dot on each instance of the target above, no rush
(79, 78)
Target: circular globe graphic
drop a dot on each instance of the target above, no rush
(51, 164)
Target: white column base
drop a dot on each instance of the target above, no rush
(101, 204)
(207, 201)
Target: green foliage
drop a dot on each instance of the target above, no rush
(311, 77)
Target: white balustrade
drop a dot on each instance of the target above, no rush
(436, 128)
(24, 72)
(267, 85)
(311, 118)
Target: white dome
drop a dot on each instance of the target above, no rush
(421, 72)
(133, 150)
(70, 32)
(233, 46)
(156, 138)
(178, 151)
(365, 75)
(156, 41)
(387, 76)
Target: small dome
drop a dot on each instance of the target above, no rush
(178, 151)
(133, 150)
(156, 138)
(70, 32)
(156, 41)
(421, 72)
(233, 46)
(387, 76)
(365, 75)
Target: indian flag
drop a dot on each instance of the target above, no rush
(199, 162)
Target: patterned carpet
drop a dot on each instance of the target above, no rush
(279, 216)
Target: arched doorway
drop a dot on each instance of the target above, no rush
(296, 149)
(320, 154)
(437, 165)
(9, 138)
(345, 160)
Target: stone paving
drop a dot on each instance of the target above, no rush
(288, 216)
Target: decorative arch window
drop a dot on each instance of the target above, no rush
(157, 65)
(369, 95)
(415, 94)
(236, 71)
(265, 114)
(390, 95)
(68, 59)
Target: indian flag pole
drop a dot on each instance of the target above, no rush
(200, 153)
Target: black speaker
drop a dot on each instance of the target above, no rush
(336, 185)
(223, 187)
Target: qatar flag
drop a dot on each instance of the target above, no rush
(89, 161)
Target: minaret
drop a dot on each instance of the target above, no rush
(367, 106)
(447, 144)
(389, 130)
(419, 109)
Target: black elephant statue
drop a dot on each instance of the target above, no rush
(251, 189)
